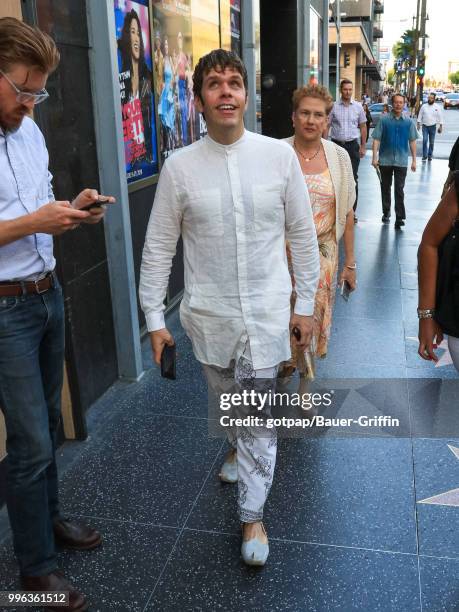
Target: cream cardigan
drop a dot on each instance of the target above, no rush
(339, 164)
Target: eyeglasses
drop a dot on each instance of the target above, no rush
(26, 96)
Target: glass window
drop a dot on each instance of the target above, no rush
(315, 47)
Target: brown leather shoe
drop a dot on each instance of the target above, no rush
(74, 536)
(56, 582)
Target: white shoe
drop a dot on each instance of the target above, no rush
(228, 472)
(254, 551)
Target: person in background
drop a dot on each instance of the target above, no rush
(385, 110)
(392, 136)
(348, 129)
(453, 165)
(430, 116)
(369, 120)
(328, 175)
(438, 227)
(32, 315)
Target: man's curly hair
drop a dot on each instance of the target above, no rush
(218, 60)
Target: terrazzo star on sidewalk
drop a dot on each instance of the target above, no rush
(233, 197)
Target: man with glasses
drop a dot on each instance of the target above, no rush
(32, 314)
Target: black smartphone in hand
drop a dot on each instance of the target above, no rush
(345, 290)
(296, 332)
(168, 359)
(97, 204)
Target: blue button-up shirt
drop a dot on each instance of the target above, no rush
(395, 136)
(25, 186)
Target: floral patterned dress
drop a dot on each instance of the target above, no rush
(322, 196)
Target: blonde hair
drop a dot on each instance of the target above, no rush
(21, 43)
(312, 91)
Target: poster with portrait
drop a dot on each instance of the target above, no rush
(136, 88)
(235, 16)
(173, 75)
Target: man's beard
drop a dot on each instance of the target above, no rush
(430, 102)
(9, 123)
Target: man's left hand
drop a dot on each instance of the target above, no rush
(362, 151)
(90, 196)
(413, 166)
(304, 324)
(440, 129)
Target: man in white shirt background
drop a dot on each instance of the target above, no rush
(429, 117)
(233, 197)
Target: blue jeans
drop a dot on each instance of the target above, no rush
(31, 375)
(428, 135)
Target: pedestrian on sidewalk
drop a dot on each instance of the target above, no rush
(438, 227)
(392, 136)
(348, 128)
(366, 110)
(453, 165)
(327, 171)
(429, 117)
(234, 196)
(32, 314)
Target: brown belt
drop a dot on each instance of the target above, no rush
(8, 289)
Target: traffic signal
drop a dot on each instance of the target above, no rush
(421, 68)
(347, 59)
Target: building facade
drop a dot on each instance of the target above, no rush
(355, 33)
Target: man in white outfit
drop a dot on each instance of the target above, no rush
(234, 197)
(429, 117)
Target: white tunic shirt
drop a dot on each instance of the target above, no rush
(234, 206)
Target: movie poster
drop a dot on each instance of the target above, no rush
(136, 88)
(179, 122)
(235, 16)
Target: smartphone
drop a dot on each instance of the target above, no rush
(296, 332)
(345, 290)
(96, 204)
(168, 358)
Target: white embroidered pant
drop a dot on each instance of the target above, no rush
(256, 446)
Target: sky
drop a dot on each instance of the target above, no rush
(443, 41)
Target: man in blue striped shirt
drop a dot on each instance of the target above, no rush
(394, 135)
(32, 314)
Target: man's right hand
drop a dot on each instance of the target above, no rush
(56, 218)
(159, 339)
(375, 163)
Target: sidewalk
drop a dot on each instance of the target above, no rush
(346, 529)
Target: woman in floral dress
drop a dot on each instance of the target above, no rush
(328, 175)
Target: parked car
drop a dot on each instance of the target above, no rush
(451, 101)
(376, 112)
(440, 95)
